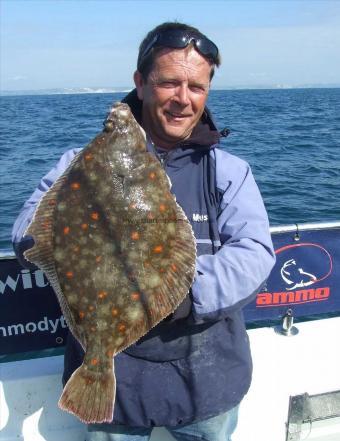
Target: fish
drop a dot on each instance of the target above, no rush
(118, 251)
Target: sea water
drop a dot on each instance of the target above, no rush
(291, 139)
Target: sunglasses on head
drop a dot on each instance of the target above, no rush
(179, 39)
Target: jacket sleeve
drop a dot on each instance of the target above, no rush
(20, 242)
(232, 277)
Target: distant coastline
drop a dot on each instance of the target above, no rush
(100, 90)
(66, 91)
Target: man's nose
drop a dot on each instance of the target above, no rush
(182, 95)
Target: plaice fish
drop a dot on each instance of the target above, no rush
(118, 251)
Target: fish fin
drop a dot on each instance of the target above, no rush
(41, 230)
(41, 254)
(41, 225)
(90, 395)
(180, 275)
(176, 281)
(159, 302)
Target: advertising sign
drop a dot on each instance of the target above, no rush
(305, 279)
(30, 318)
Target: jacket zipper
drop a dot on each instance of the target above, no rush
(163, 157)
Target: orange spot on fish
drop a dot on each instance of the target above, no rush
(114, 312)
(95, 215)
(91, 308)
(52, 202)
(158, 249)
(89, 380)
(162, 208)
(84, 226)
(152, 175)
(110, 353)
(122, 327)
(161, 270)
(66, 230)
(102, 294)
(46, 224)
(174, 267)
(135, 296)
(75, 185)
(69, 274)
(88, 156)
(98, 259)
(94, 361)
(135, 235)
(81, 314)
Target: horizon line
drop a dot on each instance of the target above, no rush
(103, 90)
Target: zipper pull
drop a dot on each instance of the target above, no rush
(163, 156)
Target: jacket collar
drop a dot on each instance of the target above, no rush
(203, 136)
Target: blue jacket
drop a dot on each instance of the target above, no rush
(196, 363)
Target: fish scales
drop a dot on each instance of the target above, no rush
(118, 251)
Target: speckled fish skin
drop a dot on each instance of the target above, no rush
(118, 251)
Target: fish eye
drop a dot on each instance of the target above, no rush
(108, 125)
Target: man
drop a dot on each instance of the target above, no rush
(191, 371)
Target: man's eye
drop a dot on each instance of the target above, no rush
(168, 84)
(197, 89)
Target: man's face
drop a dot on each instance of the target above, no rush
(174, 95)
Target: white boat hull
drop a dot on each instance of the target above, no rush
(283, 366)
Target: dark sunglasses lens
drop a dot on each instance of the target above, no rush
(207, 48)
(180, 40)
(173, 39)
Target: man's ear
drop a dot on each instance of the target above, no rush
(139, 82)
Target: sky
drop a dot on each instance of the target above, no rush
(94, 43)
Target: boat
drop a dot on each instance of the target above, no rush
(293, 325)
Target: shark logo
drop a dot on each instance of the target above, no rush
(296, 277)
(303, 264)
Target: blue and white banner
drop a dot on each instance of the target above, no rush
(30, 317)
(305, 279)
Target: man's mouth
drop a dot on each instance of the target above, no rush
(177, 116)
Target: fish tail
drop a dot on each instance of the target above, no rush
(90, 395)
